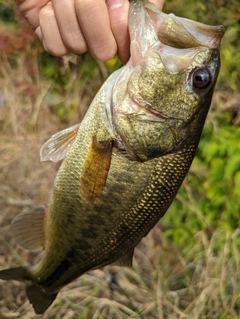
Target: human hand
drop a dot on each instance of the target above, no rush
(81, 25)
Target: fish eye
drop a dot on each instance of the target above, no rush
(201, 78)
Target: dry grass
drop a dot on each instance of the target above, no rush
(164, 283)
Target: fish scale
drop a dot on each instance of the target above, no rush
(164, 181)
(123, 165)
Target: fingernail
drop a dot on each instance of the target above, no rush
(114, 4)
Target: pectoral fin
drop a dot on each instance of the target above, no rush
(95, 170)
(56, 148)
(28, 228)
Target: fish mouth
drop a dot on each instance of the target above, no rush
(184, 33)
(182, 38)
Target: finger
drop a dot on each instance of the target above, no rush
(30, 10)
(118, 15)
(94, 21)
(49, 32)
(68, 25)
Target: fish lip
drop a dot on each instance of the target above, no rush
(214, 43)
(207, 35)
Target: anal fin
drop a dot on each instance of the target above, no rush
(28, 228)
(95, 170)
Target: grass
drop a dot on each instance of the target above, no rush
(164, 283)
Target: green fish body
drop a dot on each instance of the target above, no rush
(125, 162)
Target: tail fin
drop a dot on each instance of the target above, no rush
(38, 298)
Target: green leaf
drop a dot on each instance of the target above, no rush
(237, 183)
(217, 169)
(233, 165)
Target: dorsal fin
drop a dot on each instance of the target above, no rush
(39, 298)
(56, 148)
(28, 228)
(95, 170)
(125, 260)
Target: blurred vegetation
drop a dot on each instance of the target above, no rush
(209, 198)
(212, 188)
(42, 94)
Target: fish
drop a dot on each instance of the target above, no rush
(124, 163)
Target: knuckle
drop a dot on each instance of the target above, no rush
(119, 24)
(86, 6)
(75, 43)
(46, 13)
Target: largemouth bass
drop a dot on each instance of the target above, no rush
(125, 162)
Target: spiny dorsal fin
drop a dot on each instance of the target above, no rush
(95, 170)
(28, 228)
(56, 148)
